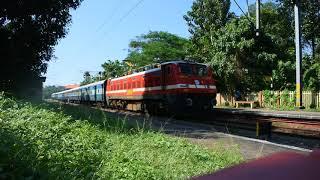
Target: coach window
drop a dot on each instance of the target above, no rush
(138, 84)
(125, 85)
(129, 85)
(134, 85)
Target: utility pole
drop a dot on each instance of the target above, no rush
(257, 17)
(298, 54)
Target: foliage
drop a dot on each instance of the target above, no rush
(114, 68)
(311, 24)
(312, 78)
(268, 98)
(68, 142)
(88, 78)
(240, 60)
(155, 47)
(286, 101)
(310, 16)
(48, 90)
(29, 30)
(205, 17)
(111, 69)
(283, 76)
(272, 99)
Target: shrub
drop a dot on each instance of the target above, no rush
(65, 142)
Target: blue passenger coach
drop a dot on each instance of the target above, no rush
(90, 93)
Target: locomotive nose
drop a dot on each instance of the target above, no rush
(188, 101)
(213, 102)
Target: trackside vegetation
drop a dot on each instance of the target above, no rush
(67, 142)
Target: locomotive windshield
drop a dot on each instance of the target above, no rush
(201, 70)
(193, 69)
(185, 68)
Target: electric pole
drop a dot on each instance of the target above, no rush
(298, 53)
(257, 17)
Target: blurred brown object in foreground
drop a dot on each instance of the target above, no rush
(284, 166)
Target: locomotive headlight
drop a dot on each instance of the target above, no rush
(189, 102)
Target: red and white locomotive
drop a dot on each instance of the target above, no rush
(174, 86)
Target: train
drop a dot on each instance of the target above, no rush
(174, 86)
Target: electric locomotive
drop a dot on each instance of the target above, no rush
(175, 86)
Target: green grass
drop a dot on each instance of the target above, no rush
(65, 142)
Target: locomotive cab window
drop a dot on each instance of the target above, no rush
(185, 68)
(201, 70)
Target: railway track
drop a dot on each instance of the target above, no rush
(261, 127)
(264, 126)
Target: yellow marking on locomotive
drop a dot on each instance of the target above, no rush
(129, 92)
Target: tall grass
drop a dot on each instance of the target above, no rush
(65, 142)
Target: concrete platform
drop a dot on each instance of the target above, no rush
(271, 113)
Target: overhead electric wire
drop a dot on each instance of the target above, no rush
(130, 11)
(119, 21)
(107, 20)
(126, 15)
(243, 11)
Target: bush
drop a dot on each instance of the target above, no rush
(286, 101)
(270, 99)
(65, 142)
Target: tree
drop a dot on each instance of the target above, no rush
(48, 90)
(311, 77)
(310, 16)
(204, 18)
(277, 24)
(87, 78)
(283, 75)
(239, 59)
(114, 68)
(155, 47)
(29, 30)
(311, 24)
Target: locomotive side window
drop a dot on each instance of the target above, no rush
(185, 68)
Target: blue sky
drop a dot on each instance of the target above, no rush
(102, 29)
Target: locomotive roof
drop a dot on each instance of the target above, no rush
(180, 61)
(151, 68)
